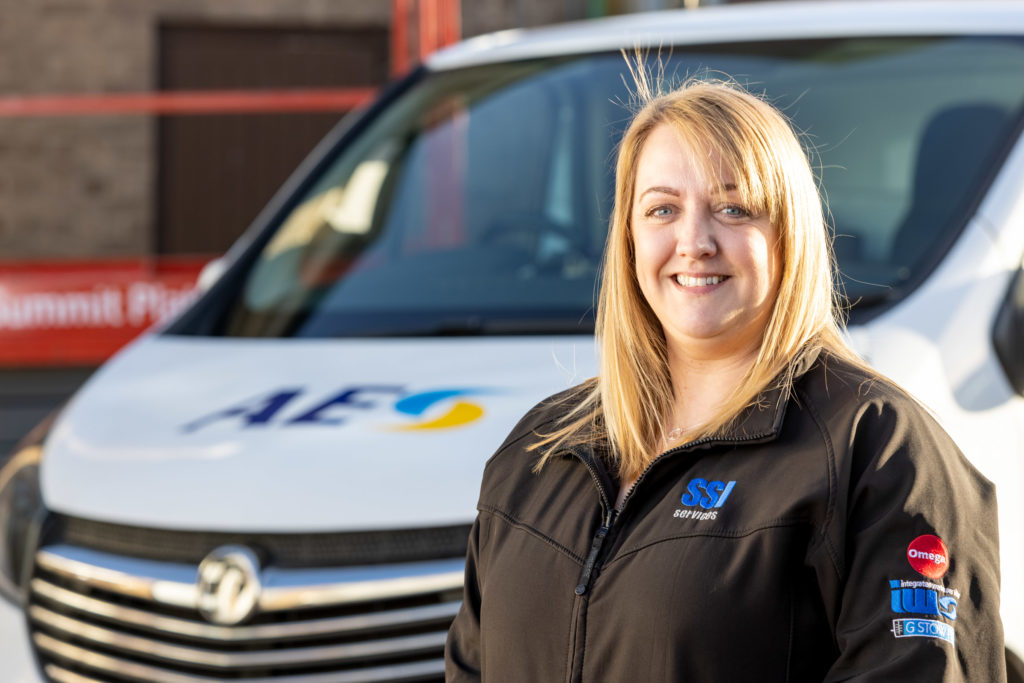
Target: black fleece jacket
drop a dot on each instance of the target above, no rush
(836, 535)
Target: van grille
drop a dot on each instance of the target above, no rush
(98, 617)
(280, 550)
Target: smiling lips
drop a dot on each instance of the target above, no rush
(691, 281)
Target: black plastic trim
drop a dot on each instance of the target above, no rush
(1008, 332)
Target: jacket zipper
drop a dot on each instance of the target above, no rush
(575, 664)
(595, 548)
(608, 510)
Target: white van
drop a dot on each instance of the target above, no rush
(278, 485)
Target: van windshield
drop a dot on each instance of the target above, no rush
(477, 202)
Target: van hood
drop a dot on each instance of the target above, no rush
(297, 435)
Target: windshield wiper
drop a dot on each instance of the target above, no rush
(472, 326)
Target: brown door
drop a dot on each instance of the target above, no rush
(215, 172)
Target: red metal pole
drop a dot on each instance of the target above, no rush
(428, 16)
(438, 23)
(187, 102)
(453, 24)
(400, 48)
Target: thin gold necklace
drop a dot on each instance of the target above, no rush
(676, 433)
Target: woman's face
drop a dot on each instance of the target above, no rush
(708, 268)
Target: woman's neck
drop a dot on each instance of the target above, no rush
(702, 385)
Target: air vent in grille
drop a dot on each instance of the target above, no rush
(103, 618)
(282, 550)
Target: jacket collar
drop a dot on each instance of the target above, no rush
(759, 422)
(762, 420)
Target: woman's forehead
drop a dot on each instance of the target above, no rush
(674, 159)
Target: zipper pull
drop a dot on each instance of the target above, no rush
(595, 548)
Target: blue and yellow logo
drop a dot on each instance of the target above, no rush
(459, 412)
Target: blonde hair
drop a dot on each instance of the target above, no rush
(752, 142)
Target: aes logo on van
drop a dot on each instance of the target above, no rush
(402, 409)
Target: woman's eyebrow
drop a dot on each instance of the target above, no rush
(725, 187)
(659, 188)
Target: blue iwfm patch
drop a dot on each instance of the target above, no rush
(922, 600)
(923, 628)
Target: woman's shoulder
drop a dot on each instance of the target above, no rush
(859, 408)
(837, 382)
(868, 419)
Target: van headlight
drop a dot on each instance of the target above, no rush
(21, 517)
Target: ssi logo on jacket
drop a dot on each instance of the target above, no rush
(703, 494)
(707, 494)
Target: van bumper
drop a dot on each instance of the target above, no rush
(19, 663)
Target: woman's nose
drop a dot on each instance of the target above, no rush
(695, 237)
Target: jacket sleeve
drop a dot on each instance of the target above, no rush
(462, 659)
(913, 590)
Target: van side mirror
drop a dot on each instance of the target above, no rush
(1008, 333)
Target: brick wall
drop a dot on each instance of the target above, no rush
(83, 186)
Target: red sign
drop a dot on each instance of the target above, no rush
(81, 312)
(928, 556)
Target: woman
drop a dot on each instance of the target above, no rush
(735, 497)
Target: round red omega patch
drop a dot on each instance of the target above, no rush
(928, 556)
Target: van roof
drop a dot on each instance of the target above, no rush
(740, 23)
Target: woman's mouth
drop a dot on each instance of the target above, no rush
(691, 281)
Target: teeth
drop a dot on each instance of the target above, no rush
(686, 281)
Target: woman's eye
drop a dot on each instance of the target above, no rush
(735, 211)
(659, 212)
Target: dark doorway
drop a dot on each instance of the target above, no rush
(28, 396)
(215, 172)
